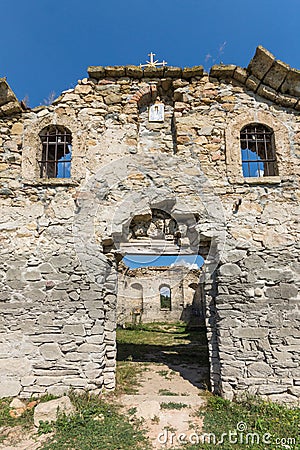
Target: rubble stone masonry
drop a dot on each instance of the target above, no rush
(60, 236)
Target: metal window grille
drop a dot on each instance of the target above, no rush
(258, 151)
(56, 153)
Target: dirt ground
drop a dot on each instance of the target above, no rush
(18, 439)
(167, 404)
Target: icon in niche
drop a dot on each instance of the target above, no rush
(157, 113)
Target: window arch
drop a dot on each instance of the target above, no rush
(258, 151)
(165, 297)
(56, 152)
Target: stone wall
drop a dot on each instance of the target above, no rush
(138, 296)
(61, 238)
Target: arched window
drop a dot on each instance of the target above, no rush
(258, 151)
(165, 297)
(56, 152)
(137, 303)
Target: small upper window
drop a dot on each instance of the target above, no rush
(258, 151)
(56, 152)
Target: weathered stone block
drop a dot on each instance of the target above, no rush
(27, 381)
(153, 72)
(240, 74)
(46, 268)
(234, 256)
(261, 63)
(134, 71)
(267, 92)
(205, 130)
(10, 108)
(222, 71)
(259, 369)
(75, 329)
(115, 71)
(50, 352)
(9, 387)
(61, 261)
(35, 295)
(283, 399)
(286, 100)
(189, 72)
(250, 333)
(96, 72)
(48, 411)
(291, 85)
(254, 262)
(83, 89)
(288, 290)
(276, 275)
(15, 367)
(273, 292)
(230, 270)
(76, 356)
(252, 83)
(173, 72)
(89, 348)
(113, 99)
(276, 74)
(13, 274)
(269, 389)
(95, 339)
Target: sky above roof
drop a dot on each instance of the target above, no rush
(47, 45)
(134, 261)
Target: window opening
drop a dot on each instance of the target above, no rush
(258, 151)
(165, 298)
(56, 153)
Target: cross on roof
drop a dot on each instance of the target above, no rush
(153, 63)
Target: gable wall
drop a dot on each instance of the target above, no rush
(58, 297)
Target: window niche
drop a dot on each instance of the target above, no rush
(269, 152)
(165, 298)
(258, 151)
(56, 155)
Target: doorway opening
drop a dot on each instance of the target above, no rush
(161, 301)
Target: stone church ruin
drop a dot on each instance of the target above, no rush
(152, 160)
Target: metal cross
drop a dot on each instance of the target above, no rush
(153, 63)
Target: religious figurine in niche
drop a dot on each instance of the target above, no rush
(157, 112)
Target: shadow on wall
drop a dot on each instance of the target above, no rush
(194, 314)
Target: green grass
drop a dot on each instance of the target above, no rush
(257, 416)
(96, 425)
(166, 392)
(161, 342)
(173, 405)
(25, 421)
(165, 374)
(127, 376)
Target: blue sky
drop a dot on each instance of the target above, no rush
(134, 261)
(47, 45)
